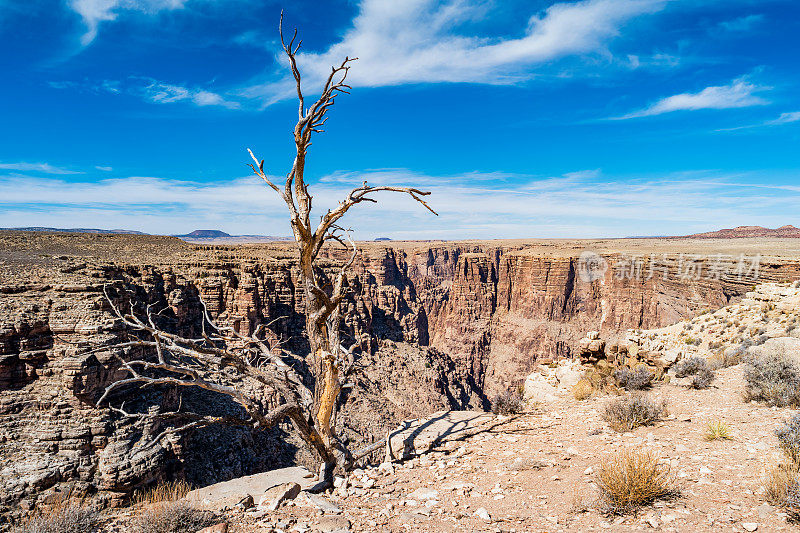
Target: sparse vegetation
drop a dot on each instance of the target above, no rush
(582, 390)
(66, 517)
(782, 483)
(171, 517)
(163, 492)
(703, 379)
(633, 380)
(789, 439)
(508, 403)
(628, 413)
(718, 430)
(690, 366)
(773, 377)
(633, 479)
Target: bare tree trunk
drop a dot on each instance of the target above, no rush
(322, 306)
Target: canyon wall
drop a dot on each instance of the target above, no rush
(440, 325)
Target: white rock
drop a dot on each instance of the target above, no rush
(537, 389)
(483, 514)
(423, 493)
(750, 526)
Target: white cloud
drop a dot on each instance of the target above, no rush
(165, 93)
(94, 12)
(151, 90)
(738, 93)
(578, 204)
(45, 168)
(741, 24)
(417, 41)
(785, 118)
(104, 169)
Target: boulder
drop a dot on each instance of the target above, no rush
(538, 389)
(275, 496)
(228, 494)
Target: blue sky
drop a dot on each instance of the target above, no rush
(524, 118)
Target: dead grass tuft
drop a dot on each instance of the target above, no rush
(163, 492)
(633, 479)
(66, 517)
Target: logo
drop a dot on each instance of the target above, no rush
(591, 266)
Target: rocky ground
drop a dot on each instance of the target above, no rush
(537, 472)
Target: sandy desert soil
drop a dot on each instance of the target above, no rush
(537, 472)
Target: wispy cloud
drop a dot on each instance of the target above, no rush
(784, 118)
(104, 169)
(739, 93)
(44, 168)
(741, 24)
(578, 204)
(165, 93)
(93, 12)
(418, 41)
(151, 90)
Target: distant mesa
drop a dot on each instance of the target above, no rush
(77, 230)
(742, 232)
(206, 234)
(215, 236)
(382, 239)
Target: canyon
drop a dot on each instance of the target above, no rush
(439, 325)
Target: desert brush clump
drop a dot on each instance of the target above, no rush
(632, 380)
(703, 379)
(628, 413)
(582, 390)
(633, 479)
(782, 483)
(171, 517)
(508, 403)
(773, 377)
(690, 366)
(65, 517)
(718, 430)
(789, 439)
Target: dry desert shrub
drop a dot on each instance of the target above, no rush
(718, 430)
(628, 413)
(631, 380)
(508, 403)
(65, 517)
(782, 483)
(633, 479)
(690, 366)
(163, 492)
(789, 439)
(778, 481)
(582, 390)
(773, 377)
(703, 379)
(171, 517)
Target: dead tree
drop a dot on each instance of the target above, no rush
(322, 300)
(151, 356)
